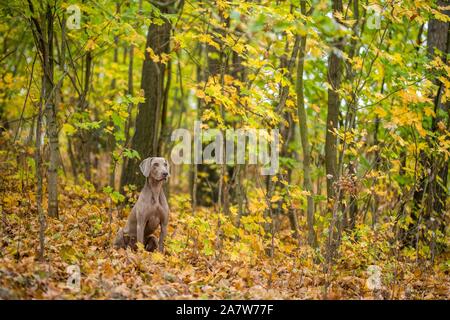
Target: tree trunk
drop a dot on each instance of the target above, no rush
(334, 78)
(50, 114)
(301, 113)
(193, 181)
(38, 164)
(129, 123)
(164, 136)
(130, 91)
(431, 194)
(43, 37)
(208, 176)
(439, 38)
(145, 139)
(111, 138)
(84, 135)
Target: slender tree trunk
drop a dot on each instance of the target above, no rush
(129, 124)
(352, 168)
(130, 91)
(164, 135)
(307, 184)
(111, 138)
(50, 115)
(208, 176)
(377, 160)
(43, 37)
(334, 78)
(38, 164)
(84, 135)
(194, 168)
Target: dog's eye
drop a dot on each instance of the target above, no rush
(156, 164)
(165, 164)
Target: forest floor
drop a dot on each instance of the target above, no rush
(195, 265)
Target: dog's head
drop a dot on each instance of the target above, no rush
(155, 168)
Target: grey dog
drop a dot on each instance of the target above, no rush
(150, 211)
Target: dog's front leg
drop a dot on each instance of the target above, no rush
(140, 228)
(162, 235)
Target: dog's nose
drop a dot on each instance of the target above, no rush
(165, 174)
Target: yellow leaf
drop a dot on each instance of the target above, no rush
(153, 56)
(90, 45)
(429, 111)
(200, 94)
(275, 198)
(206, 38)
(8, 78)
(420, 129)
(157, 257)
(239, 48)
(378, 110)
(139, 54)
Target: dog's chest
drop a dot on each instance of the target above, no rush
(155, 215)
(156, 210)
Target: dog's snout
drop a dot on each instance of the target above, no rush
(165, 174)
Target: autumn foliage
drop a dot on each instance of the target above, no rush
(359, 93)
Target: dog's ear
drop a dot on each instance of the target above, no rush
(145, 166)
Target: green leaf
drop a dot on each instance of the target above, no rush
(68, 129)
